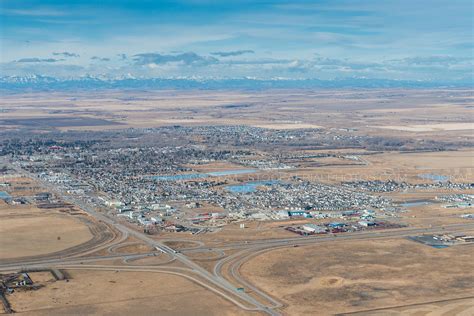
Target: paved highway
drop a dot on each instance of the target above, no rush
(216, 281)
(220, 283)
(255, 248)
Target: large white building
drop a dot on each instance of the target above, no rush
(313, 228)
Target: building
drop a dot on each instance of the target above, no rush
(156, 219)
(350, 213)
(193, 205)
(367, 223)
(113, 203)
(129, 214)
(282, 214)
(299, 213)
(336, 225)
(466, 238)
(313, 228)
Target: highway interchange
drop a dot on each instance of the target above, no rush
(224, 279)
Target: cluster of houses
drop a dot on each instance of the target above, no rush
(392, 185)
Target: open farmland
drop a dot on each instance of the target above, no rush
(281, 202)
(366, 111)
(237, 158)
(39, 235)
(352, 276)
(156, 293)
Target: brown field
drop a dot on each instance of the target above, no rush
(382, 277)
(26, 230)
(159, 259)
(178, 244)
(351, 276)
(393, 165)
(432, 127)
(423, 161)
(296, 125)
(133, 248)
(38, 235)
(127, 293)
(41, 277)
(458, 307)
(363, 111)
(253, 230)
(216, 166)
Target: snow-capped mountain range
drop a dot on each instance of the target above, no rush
(39, 82)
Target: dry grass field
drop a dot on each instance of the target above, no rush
(394, 165)
(382, 277)
(441, 114)
(457, 307)
(33, 236)
(432, 127)
(27, 231)
(351, 276)
(122, 293)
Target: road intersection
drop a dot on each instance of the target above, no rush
(216, 281)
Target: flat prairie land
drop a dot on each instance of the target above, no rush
(426, 160)
(122, 293)
(276, 125)
(435, 113)
(432, 127)
(350, 276)
(456, 307)
(39, 235)
(399, 166)
(216, 166)
(133, 248)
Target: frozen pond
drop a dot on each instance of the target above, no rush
(249, 186)
(4, 195)
(434, 177)
(231, 172)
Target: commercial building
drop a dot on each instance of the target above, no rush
(313, 228)
(367, 223)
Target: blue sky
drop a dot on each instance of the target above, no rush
(391, 39)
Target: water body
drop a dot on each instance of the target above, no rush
(191, 176)
(434, 177)
(439, 246)
(4, 195)
(231, 172)
(249, 186)
(179, 177)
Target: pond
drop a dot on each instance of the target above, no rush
(4, 195)
(249, 186)
(434, 177)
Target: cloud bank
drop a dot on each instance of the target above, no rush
(233, 53)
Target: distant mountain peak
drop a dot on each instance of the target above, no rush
(128, 81)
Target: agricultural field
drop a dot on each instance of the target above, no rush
(378, 274)
(158, 293)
